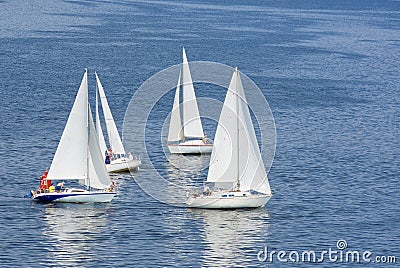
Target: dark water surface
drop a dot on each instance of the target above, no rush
(329, 70)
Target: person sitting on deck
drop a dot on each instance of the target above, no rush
(110, 154)
(112, 187)
(59, 186)
(205, 139)
(107, 160)
(206, 190)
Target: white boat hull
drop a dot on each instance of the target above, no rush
(76, 196)
(123, 164)
(237, 200)
(191, 147)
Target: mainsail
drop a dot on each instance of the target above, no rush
(112, 131)
(191, 117)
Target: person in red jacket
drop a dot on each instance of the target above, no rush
(44, 182)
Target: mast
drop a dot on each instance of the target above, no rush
(97, 106)
(87, 134)
(237, 127)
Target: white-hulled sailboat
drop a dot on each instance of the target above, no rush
(118, 160)
(236, 169)
(189, 138)
(78, 157)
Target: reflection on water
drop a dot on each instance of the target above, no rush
(73, 231)
(193, 163)
(232, 237)
(184, 172)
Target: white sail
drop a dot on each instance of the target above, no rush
(175, 132)
(223, 168)
(253, 175)
(191, 117)
(112, 131)
(236, 155)
(98, 174)
(70, 159)
(100, 136)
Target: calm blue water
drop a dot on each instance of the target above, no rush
(329, 70)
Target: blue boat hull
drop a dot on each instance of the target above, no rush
(76, 197)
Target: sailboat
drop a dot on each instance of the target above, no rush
(78, 157)
(116, 158)
(236, 169)
(189, 138)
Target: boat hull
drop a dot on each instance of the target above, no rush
(123, 164)
(76, 197)
(234, 202)
(191, 147)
